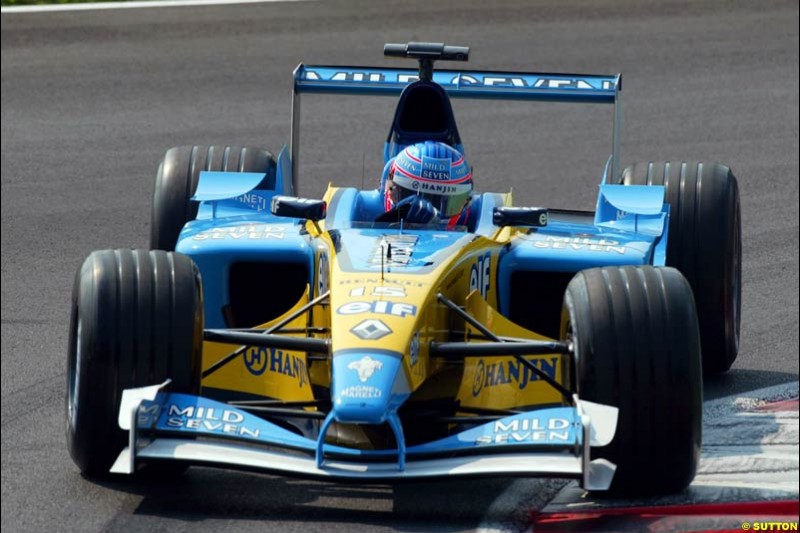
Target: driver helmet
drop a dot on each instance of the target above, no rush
(436, 172)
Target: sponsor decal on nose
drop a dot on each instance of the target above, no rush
(362, 384)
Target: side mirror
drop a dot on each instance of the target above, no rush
(520, 216)
(290, 206)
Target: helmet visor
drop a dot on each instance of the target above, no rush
(447, 205)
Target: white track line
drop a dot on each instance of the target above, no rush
(136, 4)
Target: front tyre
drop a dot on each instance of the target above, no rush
(637, 347)
(137, 320)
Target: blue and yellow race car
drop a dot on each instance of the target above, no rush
(341, 339)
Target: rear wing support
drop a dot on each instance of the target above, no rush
(473, 84)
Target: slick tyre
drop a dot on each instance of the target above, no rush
(705, 244)
(177, 178)
(137, 320)
(637, 347)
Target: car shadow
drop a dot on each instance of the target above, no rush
(210, 494)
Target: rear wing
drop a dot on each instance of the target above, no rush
(475, 84)
(478, 84)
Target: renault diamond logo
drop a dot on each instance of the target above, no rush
(371, 330)
(366, 366)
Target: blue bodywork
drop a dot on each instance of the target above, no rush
(628, 228)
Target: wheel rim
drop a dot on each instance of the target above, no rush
(75, 380)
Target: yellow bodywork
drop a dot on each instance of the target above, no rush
(490, 382)
(260, 371)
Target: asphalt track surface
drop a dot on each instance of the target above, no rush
(91, 100)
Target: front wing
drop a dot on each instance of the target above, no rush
(550, 442)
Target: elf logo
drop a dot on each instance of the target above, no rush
(480, 275)
(379, 308)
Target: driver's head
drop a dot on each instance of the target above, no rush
(434, 171)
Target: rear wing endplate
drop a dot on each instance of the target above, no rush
(474, 84)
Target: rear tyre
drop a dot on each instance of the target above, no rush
(637, 347)
(177, 178)
(137, 320)
(705, 244)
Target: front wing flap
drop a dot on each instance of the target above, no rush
(552, 442)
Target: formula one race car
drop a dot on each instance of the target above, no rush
(321, 338)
